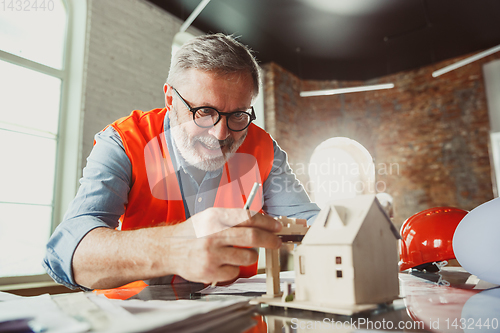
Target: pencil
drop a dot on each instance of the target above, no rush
(251, 196)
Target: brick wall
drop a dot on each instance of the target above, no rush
(129, 45)
(428, 136)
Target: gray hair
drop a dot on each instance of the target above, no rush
(216, 53)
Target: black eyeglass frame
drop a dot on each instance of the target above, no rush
(227, 114)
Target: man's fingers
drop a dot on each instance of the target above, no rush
(261, 221)
(237, 256)
(224, 238)
(214, 220)
(225, 273)
(248, 237)
(235, 217)
(228, 260)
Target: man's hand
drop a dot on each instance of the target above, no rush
(107, 258)
(216, 257)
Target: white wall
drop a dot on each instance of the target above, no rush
(128, 54)
(491, 72)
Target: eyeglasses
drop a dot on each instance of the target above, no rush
(206, 116)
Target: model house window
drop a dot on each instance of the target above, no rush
(338, 260)
(339, 273)
(33, 87)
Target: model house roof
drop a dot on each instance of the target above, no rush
(342, 221)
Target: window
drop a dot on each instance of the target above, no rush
(495, 152)
(34, 88)
(338, 260)
(339, 273)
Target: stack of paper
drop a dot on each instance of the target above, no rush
(39, 313)
(82, 312)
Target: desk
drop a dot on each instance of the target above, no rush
(431, 302)
(447, 301)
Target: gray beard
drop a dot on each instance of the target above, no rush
(186, 146)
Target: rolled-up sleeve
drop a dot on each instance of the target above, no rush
(100, 201)
(284, 195)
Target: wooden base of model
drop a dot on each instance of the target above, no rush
(341, 309)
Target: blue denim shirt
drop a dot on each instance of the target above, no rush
(106, 182)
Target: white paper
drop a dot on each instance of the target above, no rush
(80, 312)
(255, 284)
(45, 313)
(188, 315)
(7, 296)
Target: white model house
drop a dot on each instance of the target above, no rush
(348, 257)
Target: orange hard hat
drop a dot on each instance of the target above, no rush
(427, 237)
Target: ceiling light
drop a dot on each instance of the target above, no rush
(466, 61)
(349, 8)
(346, 90)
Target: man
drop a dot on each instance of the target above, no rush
(163, 191)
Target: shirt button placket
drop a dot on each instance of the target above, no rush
(199, 204)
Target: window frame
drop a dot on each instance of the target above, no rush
(69, 138)
(495, 162)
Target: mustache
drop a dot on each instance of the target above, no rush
(213, 142)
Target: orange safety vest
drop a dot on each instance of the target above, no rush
(155, 197)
